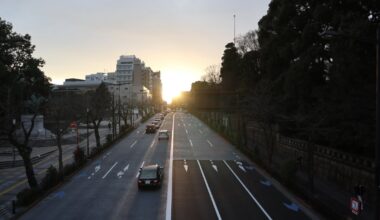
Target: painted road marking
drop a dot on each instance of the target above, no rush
(105, 175)
(249, 193)
(200, 131)
(138, 172)
(186, 131)
(294, 207)
(214, 166)
(134, 143)
(168, 214)
(185, 165)
(151, 145)
(209, 192)
(191, 143)
(211, 145)
(266, 182)
(126, 168)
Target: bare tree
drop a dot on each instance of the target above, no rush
(248, 42)
(58, 118)
(212, 75)
(100, 104)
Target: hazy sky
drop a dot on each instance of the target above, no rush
(178, 37)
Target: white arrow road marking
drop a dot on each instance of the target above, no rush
(120, 174)
(247, 190)
(185, 165)
(209, 192)
(209, 143)
(97, 168)
(191, 143)
(242, 168)
(214, 166)
(134, 143)
(137, 175)
(126, 168)
(109, 170)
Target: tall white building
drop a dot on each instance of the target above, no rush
(125, 68)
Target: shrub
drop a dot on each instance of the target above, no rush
(79, 156)
(68, 169)
(288, 171)
(50, 179)
(109, 138)
(27, 196)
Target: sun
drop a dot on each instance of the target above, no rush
(175, 81)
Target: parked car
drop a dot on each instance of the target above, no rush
(150, 129)
(163, 134)
(150, 176)
(157, 123)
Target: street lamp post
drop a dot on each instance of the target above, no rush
(88, 143)
(377, 163)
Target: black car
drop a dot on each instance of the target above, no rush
(150, 176)
(150, 129)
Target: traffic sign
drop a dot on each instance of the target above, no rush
(355, 206)
(73, 124)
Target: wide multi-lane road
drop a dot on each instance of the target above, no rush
(205, 178)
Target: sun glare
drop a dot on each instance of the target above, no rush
(176, 81)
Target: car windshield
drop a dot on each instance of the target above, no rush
(148, 174)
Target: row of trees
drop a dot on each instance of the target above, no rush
(25, 90)
(309, 68)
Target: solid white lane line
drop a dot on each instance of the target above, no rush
(168, 215)
(134, 143)
(151, 145)
(209, 143)
(209, 192)
(191, 143)
(109, 170)
(138, 172)
(249, 193)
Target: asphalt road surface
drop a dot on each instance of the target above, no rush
(205, 178)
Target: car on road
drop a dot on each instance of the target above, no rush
(163, 134)
(150, 176)
(151, 128)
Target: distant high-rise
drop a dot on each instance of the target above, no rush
(126, 67)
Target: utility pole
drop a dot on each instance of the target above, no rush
(88, 143)
(377, 164)
(234, 29)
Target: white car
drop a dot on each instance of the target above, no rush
(163, 134)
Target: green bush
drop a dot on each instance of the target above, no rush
(69, 169)
(50, 179)
(27, 196)
(79, 156)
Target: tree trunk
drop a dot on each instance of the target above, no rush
(96, 131)
(28, 168)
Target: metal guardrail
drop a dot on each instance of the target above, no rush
(19, 163)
